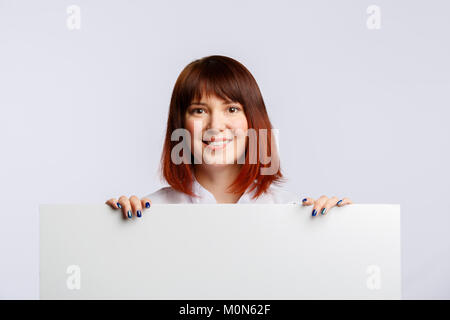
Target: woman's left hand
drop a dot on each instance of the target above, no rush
(324, 204)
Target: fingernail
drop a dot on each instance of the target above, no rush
(118, 204)
(129, 214)
(323, 211)
(139, 214)
(304, 200)
(314, 212)
(339, 202)
(147, 204)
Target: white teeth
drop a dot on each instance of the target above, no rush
(218, 143)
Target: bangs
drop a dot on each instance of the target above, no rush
(211, 78)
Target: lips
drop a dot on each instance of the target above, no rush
(219, 140)
(217, 143)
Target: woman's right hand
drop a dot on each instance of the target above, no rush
(130, 207)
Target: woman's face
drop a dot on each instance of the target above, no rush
(218, 130)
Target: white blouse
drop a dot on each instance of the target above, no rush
(275, 194)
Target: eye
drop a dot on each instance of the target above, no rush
(234, 109)
(197, 111)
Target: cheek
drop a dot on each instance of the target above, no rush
(240, 124)
(190, 126)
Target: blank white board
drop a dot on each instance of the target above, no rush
(220, 251)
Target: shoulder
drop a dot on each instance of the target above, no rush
(168, 195)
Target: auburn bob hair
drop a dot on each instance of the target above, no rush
(230, 80)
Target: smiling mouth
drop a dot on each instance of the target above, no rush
(217, 143)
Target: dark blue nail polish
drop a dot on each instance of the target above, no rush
(139, 214)
(314, 212)
(323, 210)
(304, 200)
(339, 202)
(129, 214)
(118, 204)
(147, 204)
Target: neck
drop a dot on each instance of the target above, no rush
(217, 179)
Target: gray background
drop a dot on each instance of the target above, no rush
(362, 113)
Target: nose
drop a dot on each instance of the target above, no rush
(217, 122)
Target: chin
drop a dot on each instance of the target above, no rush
(216, 158)
(218, 163)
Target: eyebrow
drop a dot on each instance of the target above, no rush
(205, 104)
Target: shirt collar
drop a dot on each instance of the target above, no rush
(208, 197)
(205, 195)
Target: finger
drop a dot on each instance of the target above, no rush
(343, 202)
(136, 206)
(112, 203)
(307, 201)
(126, 207)
(146, 203)
(329, 204)
(318, 205)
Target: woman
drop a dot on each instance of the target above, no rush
(219, 147)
